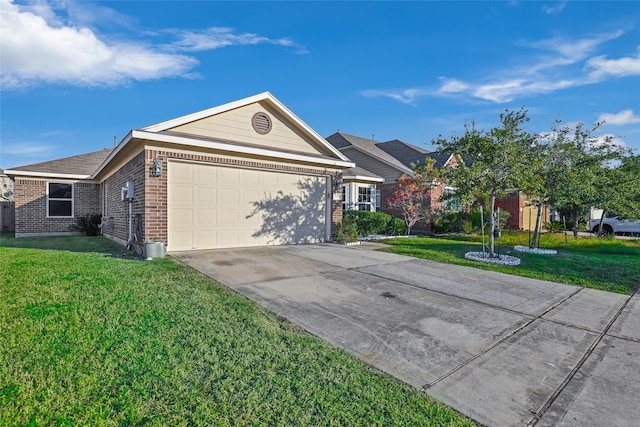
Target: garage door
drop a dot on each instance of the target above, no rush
(223, 207)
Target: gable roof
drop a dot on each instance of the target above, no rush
(81, 166)
(264, 97)
(161, 132)
(370, 147)
(395, 152)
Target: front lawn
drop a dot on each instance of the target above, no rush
(606, 264)
(89, 337)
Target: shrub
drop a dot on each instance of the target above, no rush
(88, 224)
(346, 231)
(376, 223)
(457, 222)
(554, 226)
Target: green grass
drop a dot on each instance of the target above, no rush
(88, 337)
(607, 264)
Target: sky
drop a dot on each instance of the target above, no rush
(74, 75)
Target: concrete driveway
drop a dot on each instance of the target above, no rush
(502, 349)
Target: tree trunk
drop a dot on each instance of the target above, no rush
(576, 224)
(600, 232)
(535, 230)
(492, 223)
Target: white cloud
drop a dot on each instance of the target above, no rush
(600, 67)
(26, 149)
(624, 117)
(218, 37)
(34, 51)
(556, 8)
(547, 72)
(406, 96)
(37, 46)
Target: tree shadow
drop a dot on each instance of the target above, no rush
(293, 219)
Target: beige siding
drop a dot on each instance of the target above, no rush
(389, 173)
(235, 125)
(223, 207)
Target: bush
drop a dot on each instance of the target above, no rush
(346, 231)
(554, 226)
(88, 224)
(376, 223)
(457, 222)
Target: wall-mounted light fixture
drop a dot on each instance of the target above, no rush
(336, 181)
(155, 170)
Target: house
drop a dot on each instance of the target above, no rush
(389, 160)
(392, 159)
(247, 173)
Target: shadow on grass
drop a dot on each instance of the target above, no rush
(67, 243)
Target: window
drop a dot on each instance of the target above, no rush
(364, 198)
(451, 201)
(377, 200)
(59, 199)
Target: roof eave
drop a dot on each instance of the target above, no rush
(17, 172)
(241, 149)
(264, 96)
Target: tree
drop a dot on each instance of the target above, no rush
(580, 170)
(412, 194)
(496, 161)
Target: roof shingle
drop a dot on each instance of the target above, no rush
(82, 164)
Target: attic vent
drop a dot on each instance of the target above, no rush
(261, 123)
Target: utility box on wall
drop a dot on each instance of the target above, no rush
(127, 191)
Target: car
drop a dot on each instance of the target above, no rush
(615, 226)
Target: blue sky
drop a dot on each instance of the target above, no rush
(76, 74)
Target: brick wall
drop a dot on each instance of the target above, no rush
(512, 203)
(117, 210)
(155, 208)
(30, 197)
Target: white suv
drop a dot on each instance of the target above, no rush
(616, 226)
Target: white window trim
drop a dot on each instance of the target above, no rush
(58, 199)
(371, 202)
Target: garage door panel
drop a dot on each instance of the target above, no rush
(227, 207)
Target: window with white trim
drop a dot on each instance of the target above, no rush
(377, 200)
(59, 200)
(452, 202)
(364, 198)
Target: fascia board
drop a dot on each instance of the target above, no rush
(265, 96)
(386, 162)
(17, 172)
(151, 136)
(118, 148)
(362, 178)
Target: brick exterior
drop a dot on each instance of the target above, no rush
(30, 196)
(512, 203)
(150, 196)
(117, 210)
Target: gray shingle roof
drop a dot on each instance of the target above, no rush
(358, 171)
(342, 140)
(82, 164)
(396, 152)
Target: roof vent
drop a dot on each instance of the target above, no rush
(261, 123)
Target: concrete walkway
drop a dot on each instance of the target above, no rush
(504, 350)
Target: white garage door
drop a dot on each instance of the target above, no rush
(225, 207)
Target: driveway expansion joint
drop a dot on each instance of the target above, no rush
(552, 398)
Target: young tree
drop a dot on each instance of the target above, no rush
(496, 161)
(412, 194)
(580, 170)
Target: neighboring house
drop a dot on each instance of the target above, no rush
(388, 160)
(247, 173)
(360, 190)
(392, 159)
